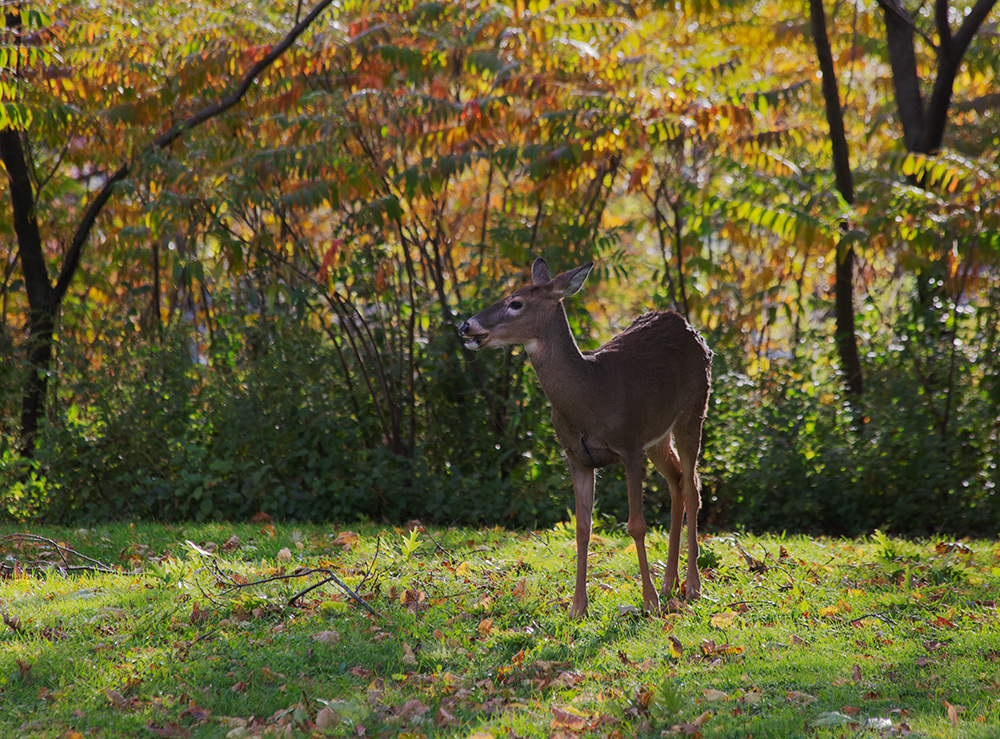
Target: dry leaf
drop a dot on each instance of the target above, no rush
(803, 699)
(714, 695)
(327, 719)
(486, 627)
(326, 637)
(953, 712)
(566, 718)
(444, 718)
(408, 657)
(676, 649)
(285, 555)
(346, 539)
(723, 620)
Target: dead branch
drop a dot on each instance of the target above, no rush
(301, 572)
(66, 555)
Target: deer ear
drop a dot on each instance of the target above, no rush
(569, 283)
(540, 272)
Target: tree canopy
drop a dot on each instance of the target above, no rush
(240, 187)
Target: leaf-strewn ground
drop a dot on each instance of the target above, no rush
(470, 636)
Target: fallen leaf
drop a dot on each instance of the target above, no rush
(676, 648)
(346, 539)
(198, 615)
(326, 637)
(723, 620)
(196, 712)
(327, 718)
(168, 729)
(833, 718)
(285, 555)
(485, 627)
(953, 712)
(566, 718)
(713, 695)
(803, 699)
(443, 718)
(408, 657)
(412, 709)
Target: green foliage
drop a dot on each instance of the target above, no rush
(268, 421)
(795, 457)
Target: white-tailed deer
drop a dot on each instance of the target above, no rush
(614, 404)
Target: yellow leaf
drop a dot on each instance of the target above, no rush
(676, 648)
(485, 627)
(463, 569)
(723, 619)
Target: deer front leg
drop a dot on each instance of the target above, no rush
(583, 492)
(637, 530)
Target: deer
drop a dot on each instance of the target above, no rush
(617, 404)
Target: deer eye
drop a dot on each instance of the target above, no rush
(515, 305)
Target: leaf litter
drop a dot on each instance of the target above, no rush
(463, 632)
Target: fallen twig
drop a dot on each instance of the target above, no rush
(64, 552)
(301, 572)
(880, 616)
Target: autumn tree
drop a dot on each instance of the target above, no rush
(30, 48)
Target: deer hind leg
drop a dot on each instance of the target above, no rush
(665, 460)
(583, 492)
(687, 437)
(634, 468)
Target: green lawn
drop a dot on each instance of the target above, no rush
(469, 636)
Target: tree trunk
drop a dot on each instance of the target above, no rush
(43, 303)
(923, 129)
(905, 79)
(847, 342)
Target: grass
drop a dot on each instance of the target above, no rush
(829, 638)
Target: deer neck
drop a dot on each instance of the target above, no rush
(557, 360)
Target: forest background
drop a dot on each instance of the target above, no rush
(237, 239)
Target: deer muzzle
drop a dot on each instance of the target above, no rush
(475, 337)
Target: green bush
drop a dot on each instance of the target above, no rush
(273, 419)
